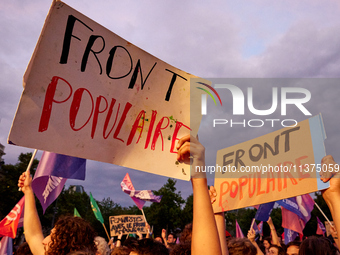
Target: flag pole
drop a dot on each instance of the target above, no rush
(252, 224)
(146, 222)
(144, 215)
(324, 215)
(31, 162)
(106, 231)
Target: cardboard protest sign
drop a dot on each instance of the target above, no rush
(91, 94)
(127, 224)
(279, 165)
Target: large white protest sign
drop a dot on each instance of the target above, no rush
(91, 94)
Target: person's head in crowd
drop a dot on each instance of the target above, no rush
(317, 245)
(267, 241)
(23, 249)
(241, 246)
(70, 234)
(276, 250)
(159, 239)
(122, 250)
(171, 238)
(293, 248)
(102, 246)
(186, 234)
(146, 246)
(82, 252)
(181, 249)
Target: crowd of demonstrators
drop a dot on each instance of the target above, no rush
(74, 235)
(205, 235)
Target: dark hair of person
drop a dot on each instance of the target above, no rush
(317, 245)
(241, 246)
(268, 238)
(83, 252)
(173, 235)
(71, 234)
(186, 234)
(280, 250)
(147, 246)
(293, 243)
(23, 249)
(181, 249)
(122, 250)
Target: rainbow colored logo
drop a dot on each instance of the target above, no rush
(204, 97)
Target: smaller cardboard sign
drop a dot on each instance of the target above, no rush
(282, 164)
(127, 224)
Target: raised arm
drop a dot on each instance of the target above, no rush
(251, 236)
(32, 226)
(332, 194)
(147, 226)
(163, 235)
(205, 239)
(220, 223)
(275, 238)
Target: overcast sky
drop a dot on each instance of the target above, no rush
(211, 39)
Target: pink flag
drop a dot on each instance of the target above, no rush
(239, 233)
(291, 221)
(320, 228)
(138, 196)
(9, 225)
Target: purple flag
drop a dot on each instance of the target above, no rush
(6, 246)
(301, 205)
(289, 235)
(255, 227)
(239, 233)
(138, 196)
(52, 172)
(264, 211)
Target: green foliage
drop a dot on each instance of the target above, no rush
(244, 217)
(168, 213)
(9, 176)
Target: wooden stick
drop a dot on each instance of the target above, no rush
(144, 215)
(106, 231)
(324, 215)
(31, 162)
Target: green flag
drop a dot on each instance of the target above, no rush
(96, 210)
(76, 213)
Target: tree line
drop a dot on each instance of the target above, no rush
(172, 213)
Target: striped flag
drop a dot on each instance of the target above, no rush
(9, 225)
